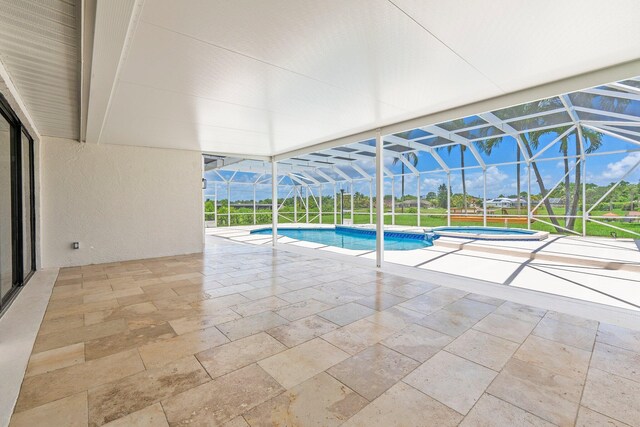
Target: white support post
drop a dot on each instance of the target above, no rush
(585, 213)
(353, 221)
(484, 197)
(370, 201)
(379, 201)
(229, 203)
(274, 202)
(295, 204)
(215, 203)
(418, 194)
(254, 204)
(528, 195)
(306, 203)
(393, 201)
(320, 202)
(335, 205)
(448, 198)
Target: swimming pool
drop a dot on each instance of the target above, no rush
(352, 238)
(490, 233)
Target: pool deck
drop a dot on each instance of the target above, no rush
(600, 270)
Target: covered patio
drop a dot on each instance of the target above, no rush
(358, 213)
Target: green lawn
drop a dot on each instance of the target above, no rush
(432, 217)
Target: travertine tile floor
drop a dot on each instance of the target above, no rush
(244, 336)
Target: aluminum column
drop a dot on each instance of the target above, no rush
(448, 198)
(484, 197)
(320, 203)
(393, 200)
(583, 159)
(335, 205)
(215, 203)
(353, 221)
(295, 203)
(306, 203)
(418, 194)
(528, 196)
(274, 202)
(379, 201)
(370, 201)
(228, 203)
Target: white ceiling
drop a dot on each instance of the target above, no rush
(251, 77)
(39, 48)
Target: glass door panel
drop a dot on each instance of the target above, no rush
(6, 236)
(27, 207)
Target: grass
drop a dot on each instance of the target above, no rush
(435, 217)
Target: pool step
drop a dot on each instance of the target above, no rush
(565, 259)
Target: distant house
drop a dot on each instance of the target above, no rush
(556, 201)
(412, 203)
(504, 202)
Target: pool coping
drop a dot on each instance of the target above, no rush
(565, 259)
(522, 235)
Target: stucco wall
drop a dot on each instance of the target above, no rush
(119, 202)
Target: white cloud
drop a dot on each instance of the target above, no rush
(432, 184)
(617, 169)
(560, 164)
(497, 182)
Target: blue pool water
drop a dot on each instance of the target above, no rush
(352, 238)
(485, 230)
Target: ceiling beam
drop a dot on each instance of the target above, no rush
(626, 88)
(115, 26)
(325, 176)
(507, 129)
(546, 90)
(408, 164)
(436, 130)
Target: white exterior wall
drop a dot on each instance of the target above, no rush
(119, 202)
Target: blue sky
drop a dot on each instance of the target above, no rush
(601, 170)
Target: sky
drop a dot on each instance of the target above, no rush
(501, 180)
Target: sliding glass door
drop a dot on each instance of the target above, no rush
(6, 217)
(28, 207)
(17, 204)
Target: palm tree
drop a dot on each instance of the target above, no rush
(463, 148)
(459, 124)
(531, 141)
(412, 157)
(591, 140)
